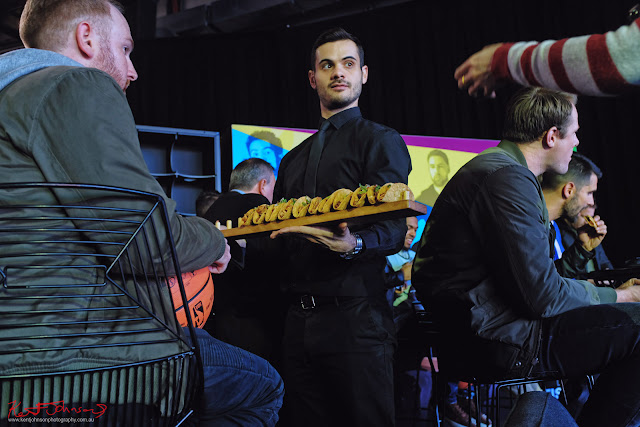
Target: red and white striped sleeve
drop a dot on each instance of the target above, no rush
(598, 64)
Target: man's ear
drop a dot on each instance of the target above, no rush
(365, 74)
(86, 40)
(261, 185)
(551, 136)
(568, 190)
(312, 79)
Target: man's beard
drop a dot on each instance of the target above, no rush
(107, 63)
(440, 181)
(572, 208)
(339, 102)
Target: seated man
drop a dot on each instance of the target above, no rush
(484, 267)
(248, 305)
(566, 195)
(65, 118)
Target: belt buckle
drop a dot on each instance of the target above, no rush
(307, 302)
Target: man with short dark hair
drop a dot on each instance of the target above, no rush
(566, 196)
(64, 118)
(339, 334)
(484, 268)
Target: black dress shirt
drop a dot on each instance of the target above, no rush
(356, 151)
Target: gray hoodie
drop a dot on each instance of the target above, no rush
(19, 63)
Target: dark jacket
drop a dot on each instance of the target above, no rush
(484, 267)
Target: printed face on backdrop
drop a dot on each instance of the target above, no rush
(439, 170)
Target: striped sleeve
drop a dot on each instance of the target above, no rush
(599, 64)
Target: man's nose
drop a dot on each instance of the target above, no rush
(132, 74)
(338, 71)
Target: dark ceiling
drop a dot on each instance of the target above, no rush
(174, 18)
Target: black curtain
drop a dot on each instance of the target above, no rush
(210, 82)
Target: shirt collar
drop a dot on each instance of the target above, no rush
(338, 120)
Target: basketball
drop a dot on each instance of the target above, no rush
(198, 285)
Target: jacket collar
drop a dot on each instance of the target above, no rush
(513, 151)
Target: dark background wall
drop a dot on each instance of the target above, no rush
(412, 49)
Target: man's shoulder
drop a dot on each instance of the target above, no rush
(239, 198)
(292, 154)
(232, 205)
(60, 72)
(493, 161)
(374, 127)
(69, 79)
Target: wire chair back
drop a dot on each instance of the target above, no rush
(87, 323)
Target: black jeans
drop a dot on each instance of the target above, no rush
(338, 363)
(601, 339)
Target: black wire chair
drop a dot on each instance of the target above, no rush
(87, 323)
(435, 340)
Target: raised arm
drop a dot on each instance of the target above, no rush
(597, 64)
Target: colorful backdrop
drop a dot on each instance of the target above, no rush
(272, 143)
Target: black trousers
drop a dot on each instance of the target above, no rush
(338, 363)
(601, 339)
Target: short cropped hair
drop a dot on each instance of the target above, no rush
(579, 172)
(438, 153)
(249, 172)
(334, 35)
(534, 110)
(47, 24)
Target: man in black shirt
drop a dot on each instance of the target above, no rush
(251, 184)
(339, 335)
(248, 304)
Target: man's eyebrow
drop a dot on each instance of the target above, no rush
(331, 60)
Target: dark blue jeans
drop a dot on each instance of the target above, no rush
(240, 388)
(601, 339)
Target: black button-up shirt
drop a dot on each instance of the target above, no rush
(356, 151)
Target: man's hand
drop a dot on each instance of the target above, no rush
(221, 264)
(406, 270)
(629, 291)
(592, 237)
(475, 75)
(336, 239)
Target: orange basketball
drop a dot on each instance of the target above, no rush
(198, 285)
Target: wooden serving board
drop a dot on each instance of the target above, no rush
(352, 216)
